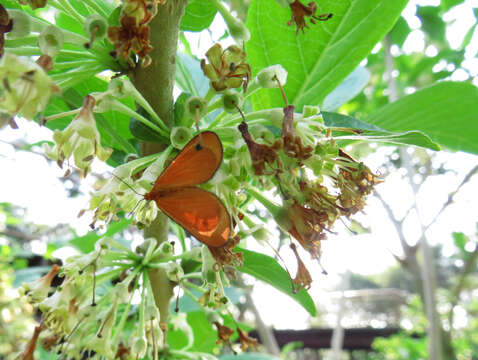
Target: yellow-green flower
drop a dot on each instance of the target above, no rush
(80, 139)
(226, 69)
(25, 88)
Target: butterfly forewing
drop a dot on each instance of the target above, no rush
(199, 212)
(195, 164)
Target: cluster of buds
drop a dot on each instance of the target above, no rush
(132, 36)
(25, 88)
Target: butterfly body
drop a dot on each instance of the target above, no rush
(175, 192)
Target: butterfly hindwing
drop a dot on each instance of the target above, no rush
(199, 212)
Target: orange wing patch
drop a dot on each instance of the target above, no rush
(198, 211)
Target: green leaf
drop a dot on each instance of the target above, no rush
(320, 59)
(267, 269)
(446, 111)
(204, 335)
(348, 89)
(448, 4)
(460, 240)
(198, 16)
(432, 22)
(376, 134)
(400, 32)
(249, 356)
(189, 75)
(87, 242)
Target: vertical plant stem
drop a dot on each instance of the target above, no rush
(155, 83)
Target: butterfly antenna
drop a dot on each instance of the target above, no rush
(283, 262)
(93, 303)
(176, 309)
(348, 227)
(128, 185)
(197, 125)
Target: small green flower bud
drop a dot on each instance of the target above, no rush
(180, 136)
(195, 103)
(96, 26)
(166, 248)
(212, 316)
(231, 100)
(267, 77)
(50, 40)
(239, 32)
(21, 24)
(139, 346)
(310, 110)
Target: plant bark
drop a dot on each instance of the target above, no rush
(155, 83)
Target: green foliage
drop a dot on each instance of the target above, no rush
(442, 111)
(318, 61)
(267, 269)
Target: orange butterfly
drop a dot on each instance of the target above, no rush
(198, 211)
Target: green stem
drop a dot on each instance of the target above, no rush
(119, 106)
(268, 204)
(210, 94)
(155, 83)
(63, 114)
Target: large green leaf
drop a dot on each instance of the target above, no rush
(267, 269)
(374, 133)
(198, 16)
(320, 59)
(447, 112)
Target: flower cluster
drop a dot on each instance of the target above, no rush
(25, 88)
(133, 33)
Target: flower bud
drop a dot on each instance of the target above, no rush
(231, 100)
(139, 346)
(21, 24)
(180, 136)
(196, 103)
(96, 26)
(267, 77)
(310, 110)
(50, 40)
(239, 32)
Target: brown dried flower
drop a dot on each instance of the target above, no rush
(260, 154)
(5, 26)
(303, 278)
(246, 340)
(300, 11)
(130, 37)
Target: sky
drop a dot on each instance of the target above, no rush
(30, 181)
